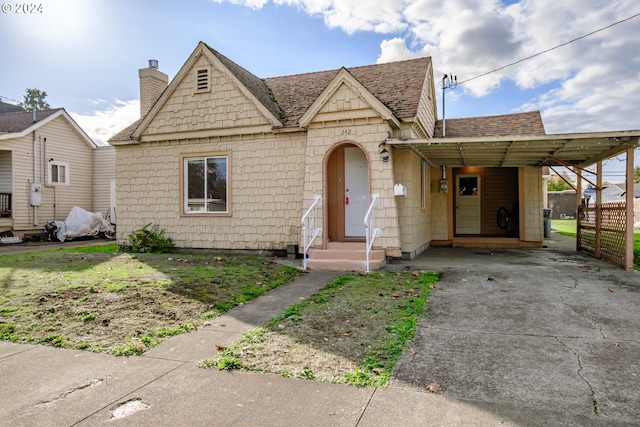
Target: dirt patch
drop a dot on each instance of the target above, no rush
(353, 330)
(123, 303)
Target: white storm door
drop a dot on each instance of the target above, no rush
(468, 204)
(356, 185)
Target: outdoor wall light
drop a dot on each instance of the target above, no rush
(384, 155)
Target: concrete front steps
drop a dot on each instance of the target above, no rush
(345, 256)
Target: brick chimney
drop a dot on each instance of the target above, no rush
(152, 83)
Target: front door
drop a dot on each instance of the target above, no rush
(356, 191)
(347, 193)
(468, 204)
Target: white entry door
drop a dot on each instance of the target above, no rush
(356, 185)
(468, 204)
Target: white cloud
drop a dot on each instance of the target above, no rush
(593, 80)
(101, 125)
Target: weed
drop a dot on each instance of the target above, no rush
(7, 328)
(307, 374)
(149, 239)
(363, 378)
(132, 348)
(86, 315)
(54, 340)
(222, 362)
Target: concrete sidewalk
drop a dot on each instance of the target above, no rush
(524, 337)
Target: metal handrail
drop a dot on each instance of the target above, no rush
(309, 220)
(371, 232)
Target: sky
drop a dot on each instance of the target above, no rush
(583, 75)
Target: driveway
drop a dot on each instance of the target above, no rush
(542, 336)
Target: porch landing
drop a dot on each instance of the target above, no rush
(486, 242)
(345, 256)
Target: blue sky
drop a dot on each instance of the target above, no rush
(85, 54)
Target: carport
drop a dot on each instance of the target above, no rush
(603, 231)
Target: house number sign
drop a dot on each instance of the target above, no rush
(345, 132)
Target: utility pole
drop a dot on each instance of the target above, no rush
(448, 82)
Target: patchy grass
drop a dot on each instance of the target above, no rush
(353, 331)
(99, 299)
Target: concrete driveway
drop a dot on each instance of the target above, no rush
(547, 336)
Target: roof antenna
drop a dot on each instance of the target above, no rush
(448, 82)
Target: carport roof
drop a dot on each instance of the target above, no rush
(569, 149)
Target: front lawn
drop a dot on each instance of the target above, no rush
(353, 330)
(102, 300)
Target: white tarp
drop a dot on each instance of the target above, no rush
(81, 223)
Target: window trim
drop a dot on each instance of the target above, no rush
(200, 155)
(50, 180)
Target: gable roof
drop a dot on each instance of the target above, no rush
(499, 125)
(9, 108)
(397, 85)
(254, 84)
(17, 122)
(15, 125)
(345, 78)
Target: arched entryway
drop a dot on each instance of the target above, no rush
(347, 193)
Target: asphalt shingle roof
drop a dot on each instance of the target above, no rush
(397, 85)
(500, 125)
(9, 108)
(19, 121)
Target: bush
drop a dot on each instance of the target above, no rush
(149, 239)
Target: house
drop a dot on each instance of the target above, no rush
(48, 165)
(349, 167)
(610, 193)
(5, 107)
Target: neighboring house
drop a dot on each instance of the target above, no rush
(610, 193)
(48, 165)
(9, 108)
(223, 160)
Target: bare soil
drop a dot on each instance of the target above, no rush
(351, 331)
(123, 303)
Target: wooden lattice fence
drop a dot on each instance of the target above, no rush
(612, 244)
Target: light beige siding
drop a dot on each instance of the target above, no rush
(5, 171)
(62, 144)
(415, 227)
(347, 118)
(267, 174)
(427, 114)
(223, 107)
(104, 171)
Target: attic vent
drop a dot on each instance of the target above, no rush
(202, 80)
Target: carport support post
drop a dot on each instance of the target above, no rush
(628, 259)
(578, 173)
(598, 242)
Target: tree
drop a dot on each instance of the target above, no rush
(34, 100)
(558, 184)
(636, 175)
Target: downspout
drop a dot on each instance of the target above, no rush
(45, 171)
(35, 165)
